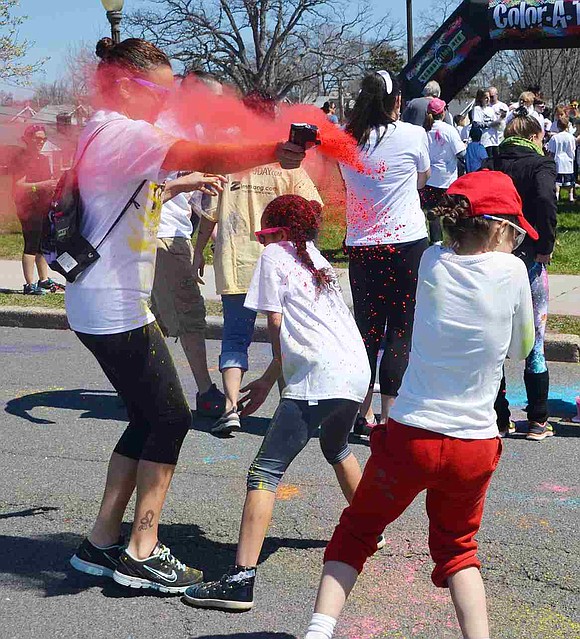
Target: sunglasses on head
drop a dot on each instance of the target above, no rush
(261, 235)
(162, 92)
(520, 233)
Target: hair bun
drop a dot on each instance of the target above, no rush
(104, 48)
(521, 112)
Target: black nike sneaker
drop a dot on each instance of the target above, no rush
(160, 571)
(234, 591)
(100, 562)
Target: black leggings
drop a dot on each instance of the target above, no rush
(31, 231)
(139, 366)
(293, 425)
(383, 280)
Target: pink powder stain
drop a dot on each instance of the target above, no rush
(555, 488)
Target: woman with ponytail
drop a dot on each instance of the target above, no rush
(121, 160)
(321, 356)
(521, 156)
(386, 232)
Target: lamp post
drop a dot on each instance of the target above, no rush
(114, 9)
(410, 47)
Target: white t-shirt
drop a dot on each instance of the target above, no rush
(563, 146)
(496, 133)
(112, 295)
(484, 116)
(444, 145)
(176, 213)
(323, 354)
(472, 311)
(382, 206)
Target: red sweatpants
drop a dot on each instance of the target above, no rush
(405, 461)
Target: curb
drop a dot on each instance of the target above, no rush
(558, 347)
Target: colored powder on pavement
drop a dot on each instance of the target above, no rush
(554, 488)
(287, 491)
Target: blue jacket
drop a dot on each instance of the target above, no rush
(475, 156)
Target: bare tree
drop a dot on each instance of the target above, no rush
(57, 92)
(80, 65)
(554, 71)
(272, 45)
(432, 18)
(13, 51)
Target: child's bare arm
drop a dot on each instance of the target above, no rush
(258, 391)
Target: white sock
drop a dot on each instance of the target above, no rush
(321, 627)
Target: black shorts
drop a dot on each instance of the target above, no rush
(566, 179)
(31, 223)
(139, 366)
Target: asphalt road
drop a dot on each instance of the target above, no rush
(60, 421)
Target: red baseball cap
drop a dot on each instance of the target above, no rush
(492, 193)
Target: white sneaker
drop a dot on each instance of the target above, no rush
(228, 422)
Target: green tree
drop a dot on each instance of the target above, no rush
(386, 57)
(13, 51)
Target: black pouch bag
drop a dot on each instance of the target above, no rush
(64, 248)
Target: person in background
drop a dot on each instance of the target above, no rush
(177, 302)
(476, 153)
(237, 250)
(539, 110)
(461, 124)
(522, 157)
(559, 111)
(484, 115)
(563, 148)
(473, 309)
(385, 232)
(446, 150)
(525, 101)
(500, 110)
(416, 110)
(32, 188)
(330, 109)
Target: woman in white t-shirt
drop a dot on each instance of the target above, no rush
(321, 356)
(446, 149)
(386, 232)
(121, 157)
(563, 147)
(473, 309)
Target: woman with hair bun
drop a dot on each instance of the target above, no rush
(386, 232)
(521, 156)
(121, 157)
(318, 351)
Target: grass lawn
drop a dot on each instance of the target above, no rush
(56, 300)
(566, 254)
(558, 323)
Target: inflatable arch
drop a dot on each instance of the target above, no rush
(478, 29)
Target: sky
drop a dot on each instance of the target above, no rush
(55, 25)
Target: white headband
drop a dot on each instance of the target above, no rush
(387, 80)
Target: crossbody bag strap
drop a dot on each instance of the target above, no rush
(130, 202)
(91, 139)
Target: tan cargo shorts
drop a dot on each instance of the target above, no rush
(176, 299)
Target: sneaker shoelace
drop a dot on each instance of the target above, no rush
(165, 555)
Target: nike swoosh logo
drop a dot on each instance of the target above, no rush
(170, 578)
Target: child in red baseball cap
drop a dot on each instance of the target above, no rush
(473, 309)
